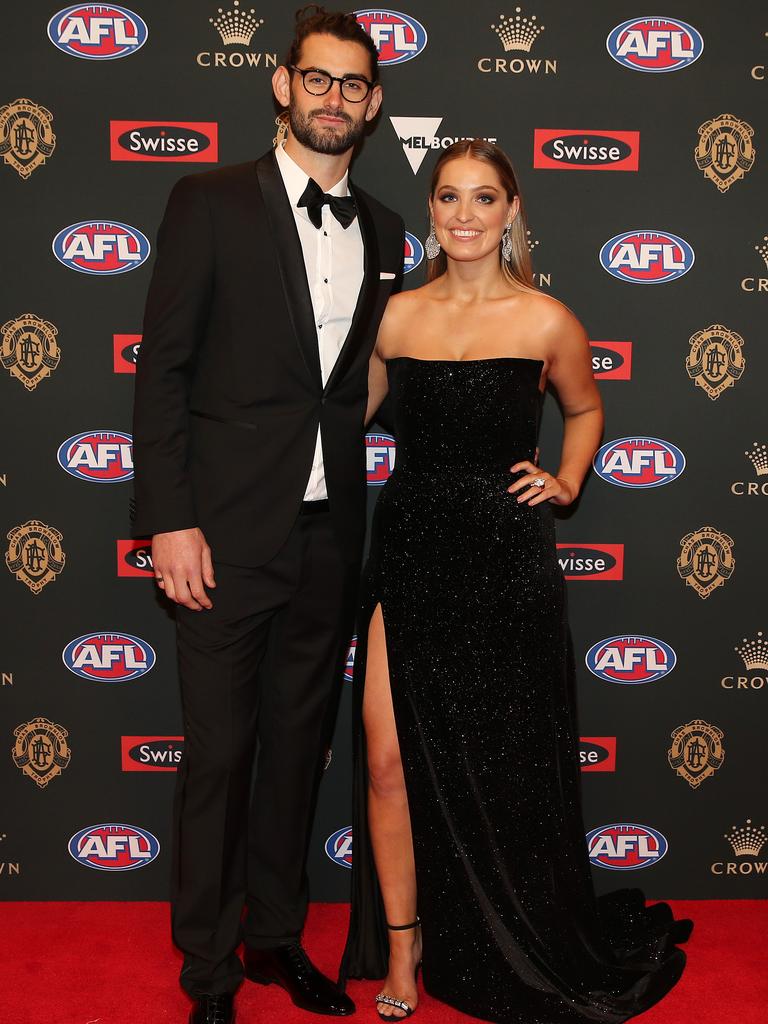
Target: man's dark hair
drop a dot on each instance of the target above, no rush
(313, 19)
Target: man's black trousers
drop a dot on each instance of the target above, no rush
(262, 669)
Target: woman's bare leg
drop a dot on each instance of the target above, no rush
(389, 822)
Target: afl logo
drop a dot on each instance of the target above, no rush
(113, 847)
(639, 462)
(100, 456)
(379, 458)
(414, 252)
(108, 657)
(655, 45)
(349, 666)
(398, 37)
(626, 846)
(646, 256)
(339, 847)
(97, 31)
(101, 247)
(630, 659)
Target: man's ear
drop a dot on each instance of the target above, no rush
(377, 96)
(281, 85)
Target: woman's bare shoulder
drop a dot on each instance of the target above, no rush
(401, 309)
(550, 314)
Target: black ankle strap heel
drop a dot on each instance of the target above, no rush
(403, 927)
(399, 1004)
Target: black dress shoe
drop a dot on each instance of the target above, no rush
(290, 967)
(213, 1009)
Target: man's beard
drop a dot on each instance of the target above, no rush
(323, 140)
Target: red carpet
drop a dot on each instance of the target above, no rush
(113, 963)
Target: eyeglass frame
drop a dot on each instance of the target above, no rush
(333, 78)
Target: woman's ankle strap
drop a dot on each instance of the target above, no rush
(403, 927)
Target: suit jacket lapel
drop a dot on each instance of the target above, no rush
(290, 260)
(366, 295)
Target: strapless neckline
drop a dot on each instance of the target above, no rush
(486, 359)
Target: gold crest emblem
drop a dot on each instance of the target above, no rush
(26, 136)
(706, 560)
(34, 554)
(41, 750)
(725, 152)
(696, 751)
(28, 349)
(715, 360)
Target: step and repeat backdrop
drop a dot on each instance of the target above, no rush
(640, 144)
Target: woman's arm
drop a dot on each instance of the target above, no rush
(570, 372)
(393, 324)
(377, 384)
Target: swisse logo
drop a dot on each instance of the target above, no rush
(101, 247)
(151, 753)
(108, 657)
(414, 253)
(99, 456)
(339, 847)
(126, 352)
(164, 141)
(646, 256)
(379, 458)
(583, 150)
(134, 558)
(597, 753)
(655, 45)
(611, 360)
(591, 561)
(114, 847)
(398, 37)
(349, 665)
(97, 31)
(625, 846)
(639, 462)
(630, 659)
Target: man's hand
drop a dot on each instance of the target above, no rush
(182, 563)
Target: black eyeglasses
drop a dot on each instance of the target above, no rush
(354, 88)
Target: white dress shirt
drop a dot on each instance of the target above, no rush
(333, 258)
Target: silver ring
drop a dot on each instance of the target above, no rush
(539, 481)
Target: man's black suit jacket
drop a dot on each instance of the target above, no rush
(229, 391)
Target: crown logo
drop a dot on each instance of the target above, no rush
(236, 26)
(759, 458)
(754, 653)
(530, 240)
(518, 33)
(763, 249)
(747, 840)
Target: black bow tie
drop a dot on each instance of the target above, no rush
(313, 197)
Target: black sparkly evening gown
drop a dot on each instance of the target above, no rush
(483, 684)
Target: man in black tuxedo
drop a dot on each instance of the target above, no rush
(270, 282)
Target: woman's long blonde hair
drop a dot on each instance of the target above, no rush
(517, 269)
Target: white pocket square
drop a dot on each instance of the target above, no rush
(386, 276)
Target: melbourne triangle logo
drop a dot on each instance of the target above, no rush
(417, 136)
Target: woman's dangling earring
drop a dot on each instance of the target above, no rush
(281, 122)
(506, 243)
(431, 245)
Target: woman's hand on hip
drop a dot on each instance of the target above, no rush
(537, 485)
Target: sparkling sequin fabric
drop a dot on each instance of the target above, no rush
(482, 677)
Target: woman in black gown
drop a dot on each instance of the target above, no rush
(467, 785)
